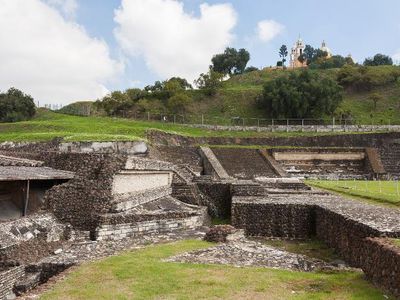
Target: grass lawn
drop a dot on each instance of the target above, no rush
(378, 191)
(48, 125)
(312, 248)
(142, 275)
(396, 242)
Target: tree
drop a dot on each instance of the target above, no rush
(178, 103)
(135, 94)
(150, 105)
(209, 82)
(376, 98)
(250, 69)
(336, 61)
(302, 94)
(311, 55)
(16, 106)
(115, 103)
(283, 53)
(230, 62)
(378, 60)
(175, 85)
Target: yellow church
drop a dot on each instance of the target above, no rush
(297, 51)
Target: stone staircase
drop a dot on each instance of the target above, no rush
(390, 157)
(244, 163)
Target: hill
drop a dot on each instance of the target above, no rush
(238, 98)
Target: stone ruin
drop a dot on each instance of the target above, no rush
(103, 198)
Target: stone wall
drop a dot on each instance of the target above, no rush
(81, 200)
(8, 278)
(343, 234)
(143, 180)
(126, 230)
(294, 221)
(381, 263)
(219, 194)
(133, 148)
(302, 128)
(374, 140)
(31, 238)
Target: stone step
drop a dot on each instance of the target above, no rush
(125, 202)
(27, 283)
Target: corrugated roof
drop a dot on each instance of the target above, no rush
(13, 173)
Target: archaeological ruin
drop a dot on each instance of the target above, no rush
(65, 203)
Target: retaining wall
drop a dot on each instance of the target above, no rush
(220, 196)
(343, 234)
(122, 231)
(381, 263)
(8, 278)
(81, 200)
(301, 128)
(374, 140)
(293, 221)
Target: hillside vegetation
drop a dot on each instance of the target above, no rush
(239, 96)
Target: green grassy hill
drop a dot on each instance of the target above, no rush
(238, 96)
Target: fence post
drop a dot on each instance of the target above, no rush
(202, 119)
(272, 125)
(148, 116)
(302, 125)
(333, 124)
(243, 122)
(287, 125)
(258, 123)
(174, 119)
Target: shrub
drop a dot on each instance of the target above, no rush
(16, 106)
(302, 94)
(179, 103)
(365, 78)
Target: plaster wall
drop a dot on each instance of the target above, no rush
(135, 181)
(305, 156)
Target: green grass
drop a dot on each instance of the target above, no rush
(221, 221)
(378, 191)
(396, 242)
(48, 125)
(312, 248)
(142, 275)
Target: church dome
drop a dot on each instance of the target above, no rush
(325, 48)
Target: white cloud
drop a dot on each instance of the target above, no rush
(67, 7)
(172, 42)
(53, 60)
(267, 30)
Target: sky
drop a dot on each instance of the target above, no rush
(62, 51)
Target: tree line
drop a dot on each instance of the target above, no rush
(297, 94)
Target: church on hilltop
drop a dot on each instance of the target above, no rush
(298, 50)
